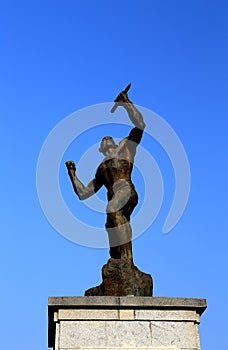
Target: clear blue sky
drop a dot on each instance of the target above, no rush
(60, 56)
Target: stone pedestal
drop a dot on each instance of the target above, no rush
(131, 322)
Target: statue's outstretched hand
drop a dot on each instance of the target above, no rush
(70, 165)
(122, 98)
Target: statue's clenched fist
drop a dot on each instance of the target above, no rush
(70, 165)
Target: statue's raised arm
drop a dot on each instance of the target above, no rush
(133, 113)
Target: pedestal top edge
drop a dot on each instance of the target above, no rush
(126, 301)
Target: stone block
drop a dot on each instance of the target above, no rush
(181, 334)
(85, 334)
(88, 314)
(126, 315)
(122, 334)
(150, 348)
(166, 315)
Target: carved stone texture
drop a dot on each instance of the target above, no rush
(121, 278)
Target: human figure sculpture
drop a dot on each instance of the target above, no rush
(115, 174)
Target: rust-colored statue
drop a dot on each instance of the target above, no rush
(115, 174)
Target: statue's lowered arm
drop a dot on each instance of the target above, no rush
(83, 192)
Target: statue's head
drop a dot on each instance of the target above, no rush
(107, 145)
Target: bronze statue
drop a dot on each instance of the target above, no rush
(115, 174)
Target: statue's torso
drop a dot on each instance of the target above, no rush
(117, 167)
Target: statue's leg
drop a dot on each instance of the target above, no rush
(120, 236)
(118, 224)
